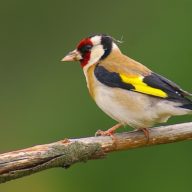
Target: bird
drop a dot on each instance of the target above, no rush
(126, 90)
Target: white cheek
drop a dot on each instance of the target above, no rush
(96, 53)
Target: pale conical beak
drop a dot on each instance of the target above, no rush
(72, 56)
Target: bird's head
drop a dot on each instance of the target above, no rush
(91, 50)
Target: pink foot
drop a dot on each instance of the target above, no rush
(109, 132)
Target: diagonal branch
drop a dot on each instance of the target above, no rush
(66, 152)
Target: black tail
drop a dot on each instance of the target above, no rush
(187, 106)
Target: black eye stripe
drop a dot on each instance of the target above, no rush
(85, 48)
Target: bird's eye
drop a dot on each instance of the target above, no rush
(85, 48)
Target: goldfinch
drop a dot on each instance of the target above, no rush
(126, 90)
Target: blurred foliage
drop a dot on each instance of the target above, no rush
(43, 100)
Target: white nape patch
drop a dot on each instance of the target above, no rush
(96, 40)
(114, 46)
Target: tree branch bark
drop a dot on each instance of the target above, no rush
(66, 152)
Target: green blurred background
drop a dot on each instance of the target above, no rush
(43, 100)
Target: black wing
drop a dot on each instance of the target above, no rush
(173, 91)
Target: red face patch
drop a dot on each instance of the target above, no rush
(84, 42)
(84, 48)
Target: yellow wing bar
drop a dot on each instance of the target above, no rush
(140, 86)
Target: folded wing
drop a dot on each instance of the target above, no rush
(152, 84)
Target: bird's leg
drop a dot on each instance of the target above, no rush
(146, 133)
(109, 132)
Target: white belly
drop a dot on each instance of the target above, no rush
(123, 108)
(134, 109)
